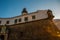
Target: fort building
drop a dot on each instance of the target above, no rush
(28, 26)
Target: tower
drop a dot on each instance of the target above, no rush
(24, 11)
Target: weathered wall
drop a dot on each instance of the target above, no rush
(35, 30)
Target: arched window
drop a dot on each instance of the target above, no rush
(20, 20)
(26, 19)
(7, 22)
(0, 22)
(33, 17)
(15, 20)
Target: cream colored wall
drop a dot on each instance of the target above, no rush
(42, 14)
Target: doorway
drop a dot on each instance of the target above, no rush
(1, 37)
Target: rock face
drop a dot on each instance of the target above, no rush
(57, 23)
(43, 29)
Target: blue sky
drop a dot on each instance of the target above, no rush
(11, 8)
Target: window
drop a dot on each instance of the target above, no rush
(15, 20)
(7, 22)
(20, 20)
(33, 17)
(26, 19)
(0, 22)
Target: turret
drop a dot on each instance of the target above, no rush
(50, 15)
(24, 12)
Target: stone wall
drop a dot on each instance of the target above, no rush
(35, 30)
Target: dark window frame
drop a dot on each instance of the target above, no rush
(15, 21)
(33, 17)
(7, 22)
(20, 19)
(25, 18)
(0, 22)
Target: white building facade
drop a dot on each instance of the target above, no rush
(25, 17)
